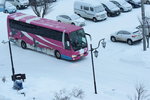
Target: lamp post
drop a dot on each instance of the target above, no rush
(11, 58)
(94, 50)
(143, 25)
(14, 76)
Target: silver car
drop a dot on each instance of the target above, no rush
(127, 36)
(71, 19)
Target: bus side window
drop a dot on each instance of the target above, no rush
(91, 9)
(67, 42)
(86, 8)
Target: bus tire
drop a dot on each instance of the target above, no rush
(57, 54)
(23, 45)
(73, 23)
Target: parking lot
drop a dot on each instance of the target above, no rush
(119, 67)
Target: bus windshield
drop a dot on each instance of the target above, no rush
(78, 40)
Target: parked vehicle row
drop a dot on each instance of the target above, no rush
(98, 11)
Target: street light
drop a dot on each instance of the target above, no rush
(102, 41)
(14, 76)
(95, 51)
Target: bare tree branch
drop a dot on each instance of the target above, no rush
(41, 7)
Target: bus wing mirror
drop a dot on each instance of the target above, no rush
(88, 35)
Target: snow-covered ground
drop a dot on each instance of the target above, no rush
(119, 67)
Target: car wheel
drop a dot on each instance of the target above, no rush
(113, 39)
(57, 54)
(94, 19)
(129, 41)
(6, 11)
(23, 45)
(59, 21)
(108, 14)
(17, 7)
(73, 23)
(121, 9)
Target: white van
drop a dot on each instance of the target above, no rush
(90, 9)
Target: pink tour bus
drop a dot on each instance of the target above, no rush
(48, 36)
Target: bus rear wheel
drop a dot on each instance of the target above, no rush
(23, 45)
(57, 54)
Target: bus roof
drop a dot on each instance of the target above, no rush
(43, 22)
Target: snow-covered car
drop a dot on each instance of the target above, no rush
(9, 8)
(71, 19)
(147, 1)
(134, 3)
(123, 5)
(111, 9)
(126, 36)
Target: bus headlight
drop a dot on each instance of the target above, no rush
(73, 56)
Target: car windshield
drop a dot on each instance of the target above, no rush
(74, 17)
(8, 4)
(99, 9)
(78, 40)
(123, 32)
(110, 5)
(22, 0)
(136, 0)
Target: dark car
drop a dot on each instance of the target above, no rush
(123, 5)
(147, 1)
(134, 3)
(111, 9)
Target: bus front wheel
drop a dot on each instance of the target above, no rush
(23, 45)
(57, 54)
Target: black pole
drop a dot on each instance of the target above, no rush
(144, 23)
(93, 69)
(11, 58)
